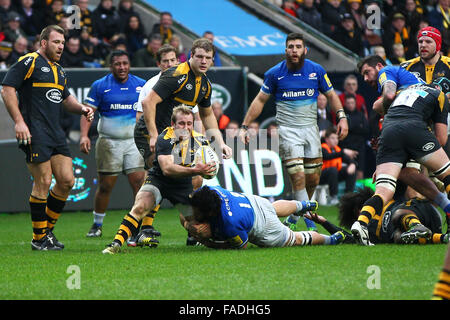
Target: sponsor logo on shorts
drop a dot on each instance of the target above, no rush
(54, 95)
(428, 146)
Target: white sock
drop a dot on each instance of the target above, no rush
(98, 218)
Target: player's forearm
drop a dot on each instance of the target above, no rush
(85, 125)
(149, 109)
(138, 115)
(334, 101)
(12, 103)
(178, 171)
(253, 112)
(72, 105)
(389, 92)
(211, 127)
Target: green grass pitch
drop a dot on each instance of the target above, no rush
(174, 271)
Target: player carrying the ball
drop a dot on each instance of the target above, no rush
(170, 177)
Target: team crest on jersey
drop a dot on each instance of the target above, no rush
(310, 92)
(189, 86)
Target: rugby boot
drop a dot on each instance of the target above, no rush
(112, 248)
(45, 244)
(94, 231)
(361, 234)
(416, 232)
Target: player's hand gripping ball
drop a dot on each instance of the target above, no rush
(206, 154)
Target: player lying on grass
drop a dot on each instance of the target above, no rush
(226, 220)
(412, 221)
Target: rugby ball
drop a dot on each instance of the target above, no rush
(206, 154)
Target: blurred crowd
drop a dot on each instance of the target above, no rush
(101, 30)
(368, 26)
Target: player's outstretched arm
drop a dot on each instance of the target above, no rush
(72, 105)
(253, 112)
(212, 130)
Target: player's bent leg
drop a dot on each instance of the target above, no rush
(145, 201)
(284, 208)
(42, 176)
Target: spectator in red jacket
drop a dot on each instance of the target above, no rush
(350, 88)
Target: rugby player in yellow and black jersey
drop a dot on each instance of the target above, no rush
(41, 85)
(430, 64)
(170, 178)
(392, 225)
(185, 84)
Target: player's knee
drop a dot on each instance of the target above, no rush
(303, 238)
(386, 181)
(43, 182)
(295, 167)
(443, 171)
(313, 169)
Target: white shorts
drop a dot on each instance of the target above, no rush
(114, 156)
(299, 142)
(268, 230)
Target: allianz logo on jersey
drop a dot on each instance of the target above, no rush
(120, 106)
(295, 94)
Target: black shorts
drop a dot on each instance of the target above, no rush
(401, 141)
(37, 152)
(141, 141)
(170, 190)
(428, 215)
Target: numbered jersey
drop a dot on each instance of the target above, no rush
(419, 102)
(236, 218)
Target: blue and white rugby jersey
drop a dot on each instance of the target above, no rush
(296, 92)
(401, 77)
(236, 219)
(116, 103)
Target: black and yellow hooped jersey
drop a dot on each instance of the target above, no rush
(42, 87)
(183, 152)
(428, 73)
(179, 85)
